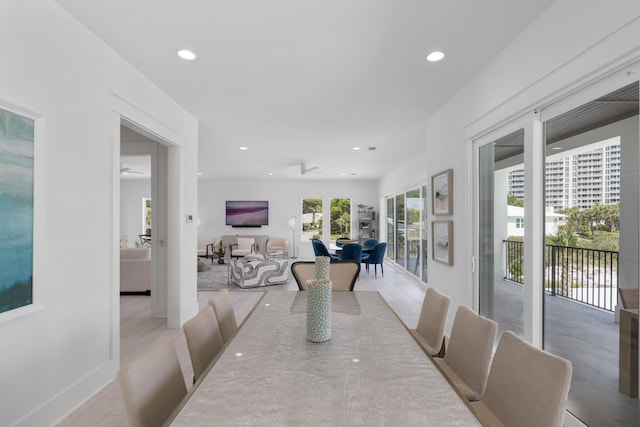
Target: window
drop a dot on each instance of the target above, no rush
(340, 218)
(311, 219)
(519, 222)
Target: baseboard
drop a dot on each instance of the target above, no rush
(69, 399)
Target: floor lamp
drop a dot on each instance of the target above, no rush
(292, 226)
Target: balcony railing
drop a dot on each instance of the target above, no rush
(589, 276)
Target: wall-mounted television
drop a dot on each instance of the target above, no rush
(247, 213)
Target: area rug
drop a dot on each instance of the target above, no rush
(215, 277)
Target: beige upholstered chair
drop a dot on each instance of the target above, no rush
(244, 246)
(527, 387)
(223, 307)
(153, 384)
(277, 246)
(430, 330)
(629, 297)
(468, 357)
(204, 339)
(343, 274)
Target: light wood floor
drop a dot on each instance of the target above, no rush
(138, 330)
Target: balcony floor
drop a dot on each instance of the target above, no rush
(586, 336)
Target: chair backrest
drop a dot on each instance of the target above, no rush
(223, 307)
(351, 251)
(343, 274)
(319, 249)
(433, 318)
(152, 384)
(629, 297)
(279, 243)
(246, 243)
(527, 386)
(377, 254)
(204, 339)
(470, 348)
(369, 244)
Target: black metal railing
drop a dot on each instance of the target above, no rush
(586, 275)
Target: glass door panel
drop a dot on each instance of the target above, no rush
(413, 202)
(391, 226)
(501, 231)
(424, 234)
(591, 232)
(400, 252)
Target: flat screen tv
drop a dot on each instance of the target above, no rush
(247, 213)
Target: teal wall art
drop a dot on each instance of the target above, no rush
(16, 210)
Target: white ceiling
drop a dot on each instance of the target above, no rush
(305, 81)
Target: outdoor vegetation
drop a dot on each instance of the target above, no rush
(584, 249)
(312, 218)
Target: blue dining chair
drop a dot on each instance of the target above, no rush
(376, 257)
(369, 244)
(352, 251)
(319, 249)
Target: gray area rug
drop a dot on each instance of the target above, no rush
(215, 277)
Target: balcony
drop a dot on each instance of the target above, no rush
(579, 324)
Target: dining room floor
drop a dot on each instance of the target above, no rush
(138, 329)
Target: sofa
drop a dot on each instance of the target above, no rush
(135, 271)
(257, 270)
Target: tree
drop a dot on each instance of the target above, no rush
(564, 237)
(512, 200)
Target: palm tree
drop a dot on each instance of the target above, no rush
(563, 238)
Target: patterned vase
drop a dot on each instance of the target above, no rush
(318, 310)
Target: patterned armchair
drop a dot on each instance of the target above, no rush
(254, 271)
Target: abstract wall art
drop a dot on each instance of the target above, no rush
(16, 210)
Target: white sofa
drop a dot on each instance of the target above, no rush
(254, 271)
(135, 271)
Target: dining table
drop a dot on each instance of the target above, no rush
(370, 372)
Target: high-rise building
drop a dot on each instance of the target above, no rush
(581, 177)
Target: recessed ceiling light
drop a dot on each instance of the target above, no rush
(270, 174)
(186, 54)
(343, 174)
(435, 56)
(199, 173)
(244, 148)
(356, 148)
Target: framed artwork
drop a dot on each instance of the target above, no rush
(16, 210)
(442, 193)
(442, 241)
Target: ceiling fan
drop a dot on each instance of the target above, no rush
(304, 170)
(125, 170)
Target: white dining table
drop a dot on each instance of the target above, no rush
(371, 372)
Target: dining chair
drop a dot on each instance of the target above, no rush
(466, 362)
(433, 317)
(204, 339)
(223, 308)
(527, 386)
(376, 256)
(319, 249)
(369, 244)
(152, 384)
(343, 274)
(351, 252)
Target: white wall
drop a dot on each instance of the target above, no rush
(538, 65)
(131, 194)
(285, 200)
(55, 358)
